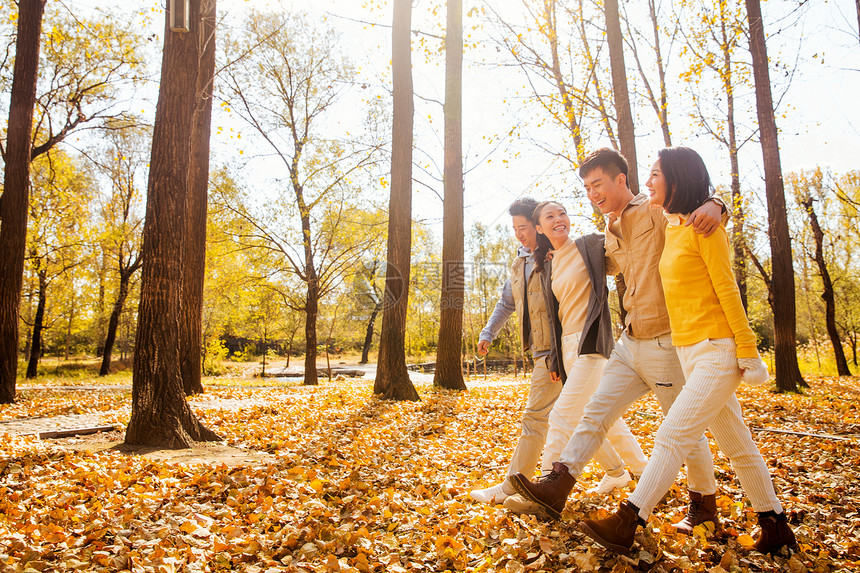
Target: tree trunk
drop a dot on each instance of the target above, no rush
(311, 312)
(113, 323)
(620, 92)
(449, 363)
(788, 375)
(191, 361)
(392, 378)
(160, 416)
(38, 322)
(663, 113)
(739, 262)
(368, 335)
(827, 293)
(16, 188)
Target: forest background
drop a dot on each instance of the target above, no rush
(537, 96)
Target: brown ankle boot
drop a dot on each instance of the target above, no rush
(616, 531)
(550, 491)
(775, 533)
(702, 508)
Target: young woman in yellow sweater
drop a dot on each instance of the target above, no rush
(716, 347)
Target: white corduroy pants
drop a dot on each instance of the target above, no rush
(707, 401)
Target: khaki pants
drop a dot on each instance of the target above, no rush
(542, 395)
(707, 401)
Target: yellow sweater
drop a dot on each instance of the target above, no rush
(701, 293)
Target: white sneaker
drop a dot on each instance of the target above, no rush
(608, 483)
(494, 494)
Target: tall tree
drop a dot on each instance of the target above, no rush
(160, 416)
(392, 378)
(16, 188)
(57, 232)
(712, 34)
(809, 188)
(124, 163)
(285, 82)
(788, 375)
(191, 359)
(620, 92)
(449, 363)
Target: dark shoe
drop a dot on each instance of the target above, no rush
(550, 491)
(616, 531)
(702, 508)
(775, 533)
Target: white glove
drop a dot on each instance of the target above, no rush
(754, 371)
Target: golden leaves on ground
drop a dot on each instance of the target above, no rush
(363, 485)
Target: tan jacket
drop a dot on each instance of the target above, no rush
(541, 336)
(635, 252)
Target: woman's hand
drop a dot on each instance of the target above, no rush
(555, 376)
(753, 371)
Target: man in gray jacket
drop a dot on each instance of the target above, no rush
(523, 293)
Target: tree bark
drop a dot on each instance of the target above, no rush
(311, 313)
(392, 378)
(16, 188)
(191, 362)
(449, 361)
(620, 92)
(113, 322)
(827, 293)
(368, 335)
(38, 323)
(160, 416)
(739, 264)
(788, 375)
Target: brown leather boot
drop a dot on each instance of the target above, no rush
(616, 531)
(775, 533)
(702, 508)
(550, 491)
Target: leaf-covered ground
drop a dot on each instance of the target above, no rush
(355, 484)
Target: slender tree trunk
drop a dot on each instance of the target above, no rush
(368, 334)
(739, 262)
(16, 188)
(620, 92)
(160, 416)
(69, 326)
(857, 4)
(827, 293)
(191, 362)
(113, 322)
(663, 114)
(311, 313)
(788, 375)
(392, 378)
(449, 363)
(38, 323)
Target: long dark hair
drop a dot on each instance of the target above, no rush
(543, 243)
(688, 184)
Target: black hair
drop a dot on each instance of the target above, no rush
(688, 184)
(610, 160)
(523, 207)
(543, 243)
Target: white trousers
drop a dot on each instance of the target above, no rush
(542, 395)
(636, 367)
(584, 372)
(707, 401)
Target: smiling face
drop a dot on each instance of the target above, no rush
(609, 194)
(525, 232)
(656, 185)
(554, 223)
